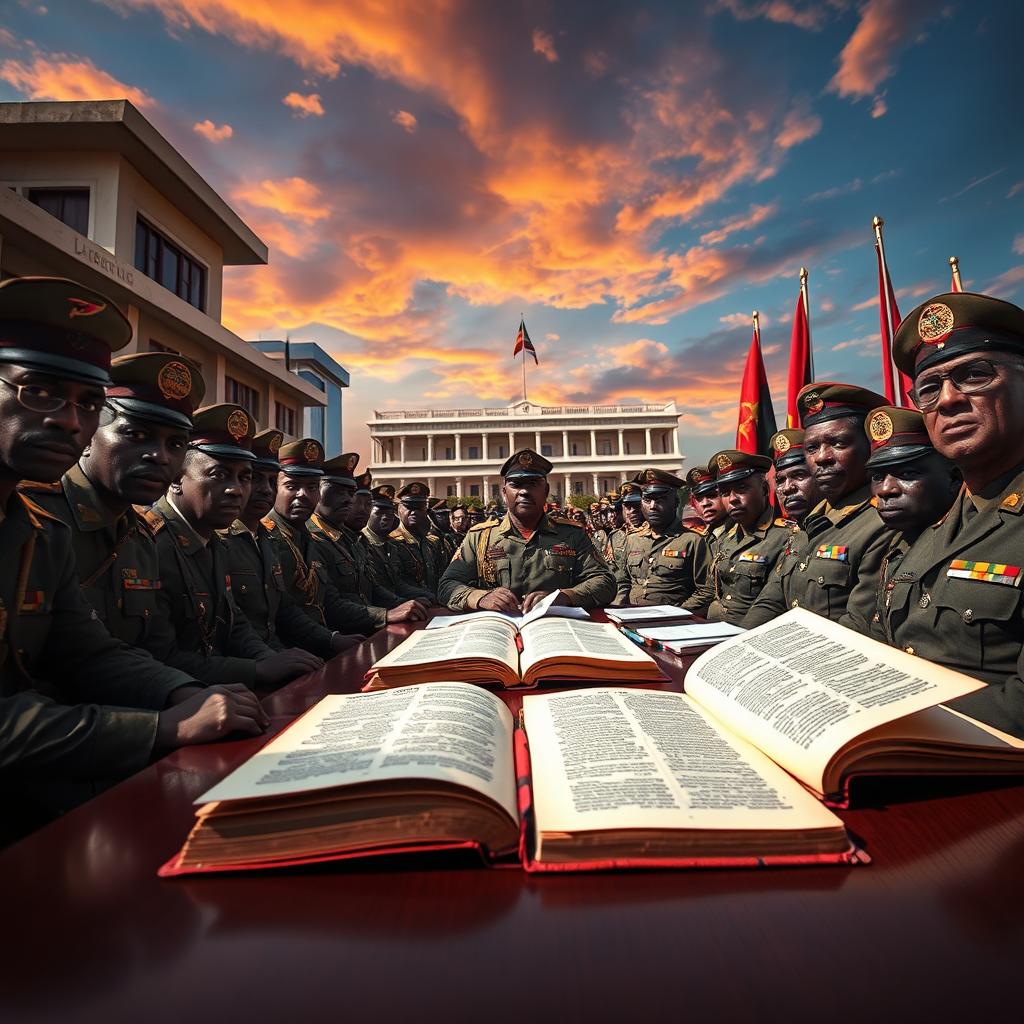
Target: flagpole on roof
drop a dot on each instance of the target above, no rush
(522, 327)
(954, 264)
(805, 295)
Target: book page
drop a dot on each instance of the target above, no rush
(695, 631)
(800, 687)
(483, 637)
(539, 610)
(443, 732)
(621, 759)
(647, 612)
(566, 638)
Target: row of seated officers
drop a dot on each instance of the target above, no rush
(165, 561)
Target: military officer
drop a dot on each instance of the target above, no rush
(663, 562)
(422, 555)
(749, 549)
(309, 563)
(359, 513)
(383, 551)
(77, 706)
(440, 519)
(460, 521)
(257, 579)
(510, 564)
(351, 569)
(598, 534)
(476, 515)
(632, 519)
(956, 598)
(708, 502)
(831, 565)
(794, 481)
(211, 636)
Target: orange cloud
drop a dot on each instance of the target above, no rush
(544, 45)
(404, 120)
(60, 76)
(757, 214)
(798, 126)
(304, 106)
(211, 132)
(292, 197)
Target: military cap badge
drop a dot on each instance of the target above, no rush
(724, 462)
(813, 402)
(628, 488)
(350, 463)
(651, 477)
(311, 452)
(175, 381)
(782, 444)
(275, 444)
(415, 490)
(880, 426)
(526, 460)
(238, 424)
(935, 323)
(83, 307)
(388, 491)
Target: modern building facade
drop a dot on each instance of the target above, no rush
(329, 377)
(594, 448)
(92, 191)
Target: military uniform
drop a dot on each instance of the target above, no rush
(351, 571)
(663, 568)
(702, 481)
(557, 555)
(421, 559)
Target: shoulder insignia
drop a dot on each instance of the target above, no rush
(1013, 503)
(269, 523)
(476, 527)
(35, 511)
(790, 524)
(699, 528)
(37, 487)
(153, 520)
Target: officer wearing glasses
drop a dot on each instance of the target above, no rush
(957, 598)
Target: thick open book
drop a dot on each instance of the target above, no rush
(487, 648)
(547, 607)
(621, 777)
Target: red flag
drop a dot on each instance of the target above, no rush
(756, 422)
(801, 372)
(954, 264)
(523, 342)
(896, 385)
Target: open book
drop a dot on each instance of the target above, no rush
(620, 778)
(538, 611)
(486, 648)
(679, 639)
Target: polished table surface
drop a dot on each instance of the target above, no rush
(933, 928)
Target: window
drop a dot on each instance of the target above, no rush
(502, 454)
(545, 450)
(241, 394)
(449, 453)
(577, 485)
(159, 258)
(474, 452)
(628, 449)
(69, 205)
(575, 452)
(474, 490)
(450, 490)
(494, 490)
(284, 418)
(156, 346)
(606, 447)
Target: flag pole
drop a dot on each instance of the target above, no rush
(805, 295)
(756, 317)
(955, 265)
(522, 326)
(877, 223)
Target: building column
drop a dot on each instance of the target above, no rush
(594, 489)
(458, 447)
(401, 449)
(675, 441)
(536, 441)
(593, 444)
(647, 434)
(458, 487)
(431, 483)
(622, 441)
(565, 443)
(511, 442)
(430, 447)
(487, 489)
(568, 488)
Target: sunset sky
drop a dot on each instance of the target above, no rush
(635, 178)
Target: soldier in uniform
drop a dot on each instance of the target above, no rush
(309, 563)
(599, 534)
(351, 569)
(663, 562)
(510, 564)
(632, 519)
(956, 597)
(383, 551)
(831, 565)
(257, 579)
(77, 706)
(422, 555)
(440, 519)
(794, 481)
(210, 635)
(459, 521)
(359, 513)
(704, 497)
(750, 548)
(476, 515)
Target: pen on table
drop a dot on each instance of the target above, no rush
(638, 639)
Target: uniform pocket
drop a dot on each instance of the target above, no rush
(244, 582)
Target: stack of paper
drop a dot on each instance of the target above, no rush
(695, 634)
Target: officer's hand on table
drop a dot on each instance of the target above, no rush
(210, 715)
(536, 596)
(184, 693)
(408, 611)
(279, 668)
(501, 599)
(345, 641)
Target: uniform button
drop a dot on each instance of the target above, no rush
(728, 597)
(909, 649)
(968, 615)
(925, 601)
(821, 579)
(795, 604)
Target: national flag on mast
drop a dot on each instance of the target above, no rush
(954, 265)
(801, 365)
(523, 342)
(756, 421)
(895, 384)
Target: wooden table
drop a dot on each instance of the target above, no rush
(934, 928)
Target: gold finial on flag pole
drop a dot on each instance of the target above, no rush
(955, 265)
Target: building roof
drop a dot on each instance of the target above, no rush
(117, 126)
(306, 352)
(502, 415)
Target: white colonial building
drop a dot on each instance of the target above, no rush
(594, 448)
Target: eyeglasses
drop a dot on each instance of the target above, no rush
(37, 398)
(968, 379)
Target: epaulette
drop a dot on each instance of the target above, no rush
(562, 521)
(874, 502)
(269, 523)
(152, 518)
(38, 487)
(792, 524)
(1013, 503)
(483, 526)
(36, 511)
(701, 528)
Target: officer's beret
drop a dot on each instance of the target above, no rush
(954, 324)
